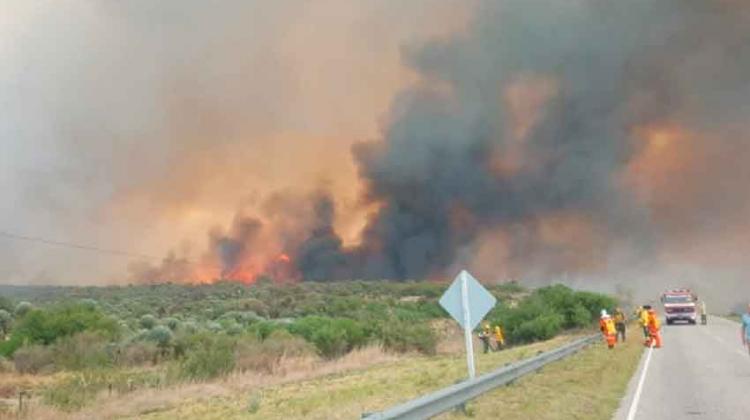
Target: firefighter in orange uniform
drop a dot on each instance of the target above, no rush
(607, 326)
(654, 326)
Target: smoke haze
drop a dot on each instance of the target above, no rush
(600, 143)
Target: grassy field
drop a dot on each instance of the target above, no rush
(347, 396)
(588, 385)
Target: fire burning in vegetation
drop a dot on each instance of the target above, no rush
(532, 144)
(588, 138)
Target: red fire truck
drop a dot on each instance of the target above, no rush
(680, 305)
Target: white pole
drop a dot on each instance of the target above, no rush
(467, 325)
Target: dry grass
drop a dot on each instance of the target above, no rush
(347, 396)
(586, 386)
(144, 401)
(11, 384)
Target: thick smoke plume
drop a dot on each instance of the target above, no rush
(603, 135)
(599, 142)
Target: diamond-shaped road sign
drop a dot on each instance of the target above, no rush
(480, 300)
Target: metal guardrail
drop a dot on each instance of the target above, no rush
(453, 396)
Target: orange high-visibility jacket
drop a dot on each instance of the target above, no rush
(607, 326)
(653, 321)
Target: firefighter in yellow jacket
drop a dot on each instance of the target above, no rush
(499, 337)
(643, 320)
(607, 326)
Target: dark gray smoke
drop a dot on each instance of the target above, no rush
(232, 247)
(320, 256)
(617, 66)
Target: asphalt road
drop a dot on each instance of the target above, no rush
(702, 372)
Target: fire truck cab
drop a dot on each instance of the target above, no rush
(680, 305)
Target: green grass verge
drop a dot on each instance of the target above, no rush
(733, 317)
(585, 386)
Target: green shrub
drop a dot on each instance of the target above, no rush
(208, 356)
(331, 336)
(172, 323)
(89, 303)
(147, 321)
(6, 304)
(264, 329)
(22, 308)
(162, 336)
(234, 328)
(5, 321)
(84, 350)
(44, 326)
(402, 337)
(578, 316)
(595, 302)
(214, 327)
(542, 327)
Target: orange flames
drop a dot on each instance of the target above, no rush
(279, 268)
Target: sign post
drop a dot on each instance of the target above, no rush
(467, 301)
(467, 321)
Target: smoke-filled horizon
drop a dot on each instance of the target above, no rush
(602, 143)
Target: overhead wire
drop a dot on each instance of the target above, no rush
(72, 245)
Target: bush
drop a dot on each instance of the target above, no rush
(34, 359)
(172, 323)
(595, 302)
(22, 309)
(233, 328)
(39, 326)
(162, 336)
(6, 304)
(542, 327)
(84, 350)
(403, 337)
(331, 336)
(89, 303)
(254, 305)
(214, 327)
(547, 311)
(138, 353)
(208, 356)
(5, 321)
(190, 327)
(147, 321)
(255, 355)
(262, 330)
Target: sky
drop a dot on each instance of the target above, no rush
(138, 126)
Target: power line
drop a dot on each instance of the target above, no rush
(75, 246)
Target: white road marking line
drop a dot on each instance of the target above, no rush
(639, 389)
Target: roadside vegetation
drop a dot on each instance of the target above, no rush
(587, 386)
(78, 344)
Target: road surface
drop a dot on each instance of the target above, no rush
(702, 372)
